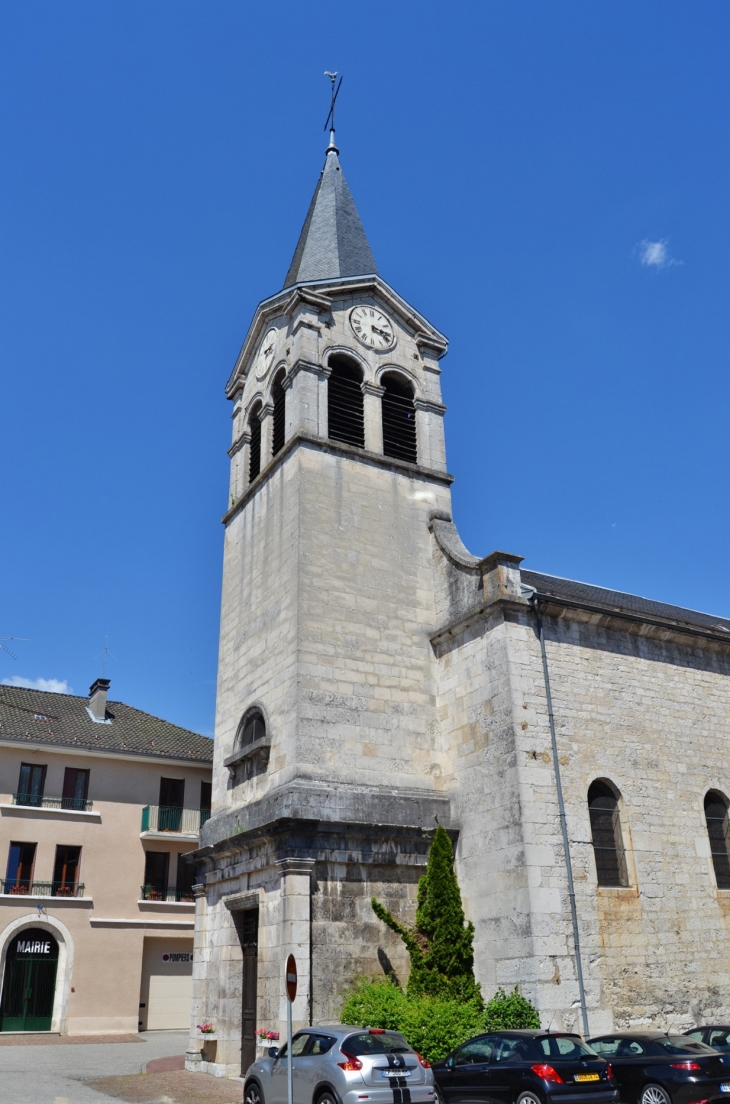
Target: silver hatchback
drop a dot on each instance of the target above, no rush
(342, 1065)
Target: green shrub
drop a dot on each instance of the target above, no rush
(507, 1010)
(433, 1026)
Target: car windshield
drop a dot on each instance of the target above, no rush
(680, 1044)
(565, 1046)
(383, 1042)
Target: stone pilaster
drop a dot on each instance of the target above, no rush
(296, 935)
(373, 416)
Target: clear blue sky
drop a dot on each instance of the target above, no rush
(547, 182)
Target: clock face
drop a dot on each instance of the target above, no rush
(372, 328)
(266, 354)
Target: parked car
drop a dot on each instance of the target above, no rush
(525, 1067)
(716, 1036)
(652, 1067)
(342, 1065)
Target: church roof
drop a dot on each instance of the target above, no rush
(332, 242)
(585, 594)
(63, 720)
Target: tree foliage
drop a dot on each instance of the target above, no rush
(440, 944)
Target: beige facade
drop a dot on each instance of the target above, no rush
(77, 866)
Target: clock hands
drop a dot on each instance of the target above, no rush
(381, 333)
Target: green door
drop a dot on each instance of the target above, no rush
(29, 985)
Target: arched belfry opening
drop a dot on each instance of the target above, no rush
(345, 401)
(399, 418)
(278, 395)
(254, 456)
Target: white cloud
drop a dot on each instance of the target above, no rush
(54, 686)
(655, 254)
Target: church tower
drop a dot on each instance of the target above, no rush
(328, 779)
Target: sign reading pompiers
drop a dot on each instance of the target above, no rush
(290, 975)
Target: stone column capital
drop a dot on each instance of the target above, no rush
(295, 866)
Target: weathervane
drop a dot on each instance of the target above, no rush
(331, 117)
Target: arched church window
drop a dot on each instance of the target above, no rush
(345, 402)
(278, 394)
(251, 729)
(254, 461)
(718, 829)
(608, 845)
(399, 418)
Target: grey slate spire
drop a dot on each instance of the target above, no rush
(332, 242)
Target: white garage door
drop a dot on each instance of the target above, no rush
(167, 982)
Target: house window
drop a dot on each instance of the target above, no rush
(66, 871)
(717, 829)
(19, 871)
(31, 784)
(206, 793)
(185, 879)
(608, 847)
(399, 419)
(278, 395)
(156, 871)
(252, 728)
(345, 402)
(172, 799)
(75, 788)
(254, 454)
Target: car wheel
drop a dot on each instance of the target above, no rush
(654, 1094)
(252, 1094)
(528, 1098)
(327, 1098)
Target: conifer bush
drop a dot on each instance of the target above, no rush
(442, 1005)
(441, 944)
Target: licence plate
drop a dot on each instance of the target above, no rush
(395, 1073)
(588, 1077)
(725, 1086)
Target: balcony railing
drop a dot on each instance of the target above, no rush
(166, 818)
(155, 893)
(37, 801)
(23, 887)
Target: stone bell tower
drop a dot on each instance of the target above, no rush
(328, 776)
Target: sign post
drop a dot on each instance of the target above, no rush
(291, 992)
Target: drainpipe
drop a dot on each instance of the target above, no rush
(535, 603)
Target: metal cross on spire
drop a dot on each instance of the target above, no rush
(330, 122)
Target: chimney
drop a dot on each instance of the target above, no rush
(97, 699)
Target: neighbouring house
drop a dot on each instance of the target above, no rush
(99, 804)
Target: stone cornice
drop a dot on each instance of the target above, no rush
(337, 448)
(321, 296)
(430, 406)
(369, 388)
(662, 628)
(483, 612)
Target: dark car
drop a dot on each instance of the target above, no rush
(525, 1067)
(655, 1068)
(716, 1036)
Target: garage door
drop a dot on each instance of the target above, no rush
(167, 982)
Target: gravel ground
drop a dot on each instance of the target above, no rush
(81, 1073)
(178, 1086)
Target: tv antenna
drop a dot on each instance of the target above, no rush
(105, 652)
(6, 649)
(331, 117)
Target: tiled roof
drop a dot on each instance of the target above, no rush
(614, 600)
(332, 242)
(37, 716)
